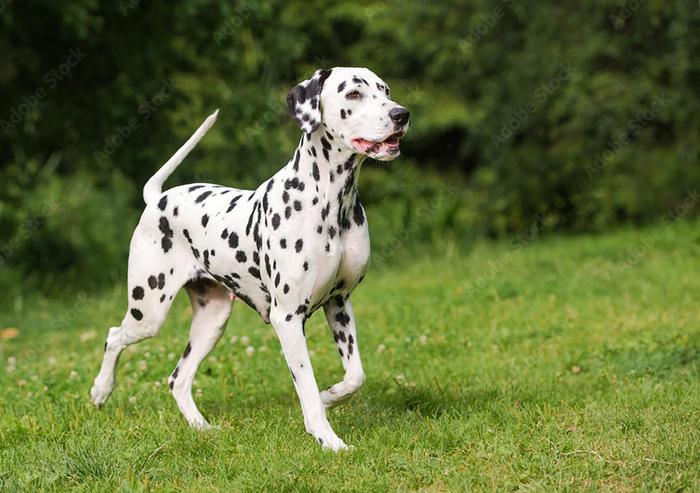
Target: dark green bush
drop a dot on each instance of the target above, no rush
(573, 117)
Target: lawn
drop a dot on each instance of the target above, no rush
(568, 363)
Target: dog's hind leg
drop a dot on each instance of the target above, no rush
(154, 279)
(341, 319)
(211, 307)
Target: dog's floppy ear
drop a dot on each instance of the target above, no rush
(304, 101)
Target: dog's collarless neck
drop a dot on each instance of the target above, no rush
(332, 172)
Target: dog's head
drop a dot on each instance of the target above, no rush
(355, 106)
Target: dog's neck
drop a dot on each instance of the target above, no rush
(337, 168)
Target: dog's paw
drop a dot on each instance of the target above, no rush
(333, 443)
(329, 399)
(327, 438)
(200, 424)
(99, 394)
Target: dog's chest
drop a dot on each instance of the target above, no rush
(341, 260)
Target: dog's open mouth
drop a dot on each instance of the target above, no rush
(388, 146)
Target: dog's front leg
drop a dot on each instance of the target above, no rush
(341, 319)
(290, 331)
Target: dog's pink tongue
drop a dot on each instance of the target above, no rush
(362, 145)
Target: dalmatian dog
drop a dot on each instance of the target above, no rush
(297, 243)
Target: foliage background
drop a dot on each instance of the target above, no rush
(527, 116)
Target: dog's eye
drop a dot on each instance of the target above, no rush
(353, 95)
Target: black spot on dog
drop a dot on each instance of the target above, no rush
(166, 244)
(164, 227)
(163, 202)
(315, 172)
(195, 252)
(233, 240)
(348, 164)
(241, 256)
(342, 318)
(342, 114)
(286, 288)
(299, 245)
(195, 187)
(331, 232)
(175, 210)
(283, 243)
(161, 280)
(306, 266)
(288, 317)
(187, 236)
(285, 196)
(137, 293)
(232, 204)
(357, 213)
(276, 221)
(268, 268)
(205, 220)
(136, 313)
(202, 197)
(254, 272)
(206, 259)
(297, 205)
(341, 86)
(224, 234)
(152, 282)
(162, 298)
(188, 348)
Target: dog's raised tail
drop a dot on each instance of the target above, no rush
(154, 186)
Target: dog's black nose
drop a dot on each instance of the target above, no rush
(399, 115)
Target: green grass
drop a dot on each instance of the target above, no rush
(562, 364)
